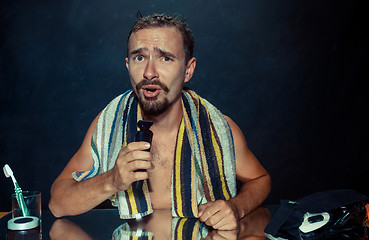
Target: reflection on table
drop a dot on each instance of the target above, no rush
(161, 225)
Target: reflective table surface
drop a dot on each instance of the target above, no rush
(106, 224)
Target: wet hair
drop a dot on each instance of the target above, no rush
(162, 20)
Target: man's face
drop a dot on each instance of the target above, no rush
(157, 68)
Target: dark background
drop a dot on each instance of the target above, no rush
(292, 74)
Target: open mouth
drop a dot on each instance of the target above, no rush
(151, 91)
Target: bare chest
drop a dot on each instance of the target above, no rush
(163, 158)
(160, 177)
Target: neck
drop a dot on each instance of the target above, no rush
(169, 120)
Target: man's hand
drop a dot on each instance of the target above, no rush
(222, 235)
(130, 159)
(222, 215)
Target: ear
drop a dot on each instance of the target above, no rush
(127, 65)
(190, 69)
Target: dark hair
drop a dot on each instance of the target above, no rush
(162, 20)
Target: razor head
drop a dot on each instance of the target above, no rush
(144, 125)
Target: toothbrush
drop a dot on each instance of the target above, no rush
(18, 191)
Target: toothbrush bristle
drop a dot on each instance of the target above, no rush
(7, 170)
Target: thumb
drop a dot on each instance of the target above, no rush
(201, 210)
(203, 207)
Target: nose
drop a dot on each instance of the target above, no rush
(150, 72)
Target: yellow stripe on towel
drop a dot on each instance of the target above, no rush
(132, 200)
(195, 232)
(191, 138)
(218, 155)
(178, 169)
(220, 164)
(205, 168)
(147, 196)
(131, 196)
(180, 228)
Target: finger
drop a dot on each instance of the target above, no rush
(210, 210)
(144, 145)
(226, 226)
(133, 161)
(225, 223)
(212, 235)
(214, 219)
(227, 234)
(217, 236)
(203, 207)
(219, 223)
(124, 159)
(138, 155)
(135, 146)
(132, 166)
(137, 176)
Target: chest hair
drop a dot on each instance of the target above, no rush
(162, 151)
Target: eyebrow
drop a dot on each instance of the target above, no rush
(164, 53)
(156, 49)
(136, 51)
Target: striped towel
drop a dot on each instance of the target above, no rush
(188, 228)
(182, 228)
(204, 163)
(124, 232)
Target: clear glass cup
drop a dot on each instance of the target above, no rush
(32, 200)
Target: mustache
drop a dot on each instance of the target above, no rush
(145, 82)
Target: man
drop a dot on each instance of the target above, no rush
(190, 165)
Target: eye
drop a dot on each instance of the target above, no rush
(139, 58)
(167, 59)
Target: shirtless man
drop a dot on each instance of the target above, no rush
(159, 58)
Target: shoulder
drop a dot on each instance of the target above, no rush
(118, 104)
(121, 99)
(236, 131)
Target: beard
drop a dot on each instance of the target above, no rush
(152, 105)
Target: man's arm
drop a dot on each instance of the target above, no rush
(255, 188)
(69, 197)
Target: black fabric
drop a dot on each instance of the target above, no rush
(344, 223)
(338, 203)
